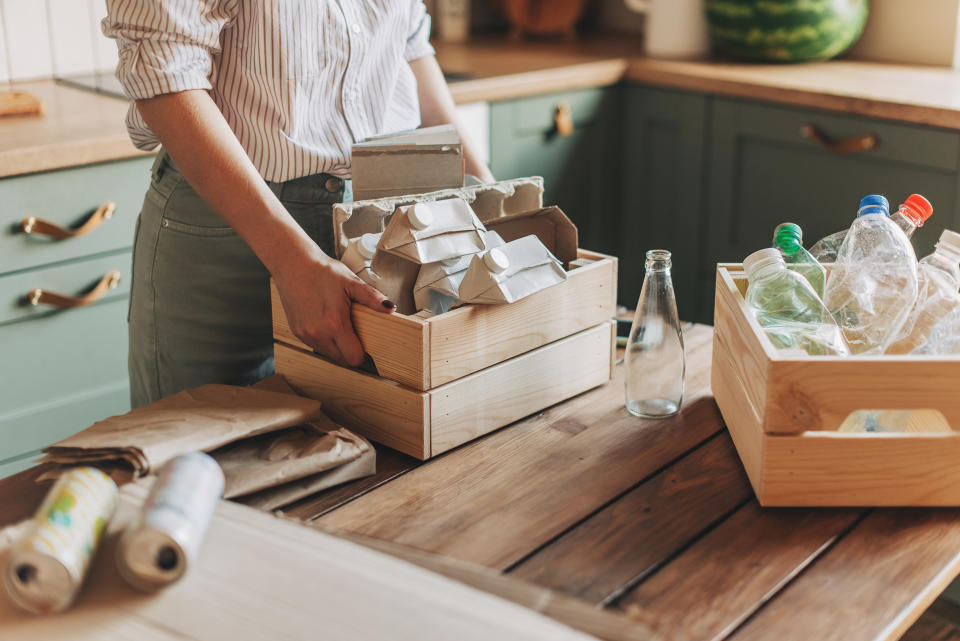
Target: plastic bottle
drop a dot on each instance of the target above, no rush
(785, 305)
(873, 283)
(937, 294)
(788, 238)
(655, 360)
(911, 215)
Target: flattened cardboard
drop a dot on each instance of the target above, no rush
(456, 231)
(487, 201)
(549, 224)
(532, 268)
(412, 162)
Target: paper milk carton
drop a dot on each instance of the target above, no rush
(511, 272)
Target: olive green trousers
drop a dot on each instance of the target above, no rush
(200, 300)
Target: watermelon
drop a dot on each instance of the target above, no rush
(785, 30)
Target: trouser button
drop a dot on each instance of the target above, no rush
(333, 184)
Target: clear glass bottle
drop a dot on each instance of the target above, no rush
(655, 361)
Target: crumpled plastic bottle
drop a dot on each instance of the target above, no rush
(873, 283)
(785, 305)
(911, 215)
(937, 295)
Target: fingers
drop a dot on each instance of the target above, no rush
(369, 296)
(347, 342)
(330, 349)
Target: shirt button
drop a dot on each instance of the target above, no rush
(356, 29)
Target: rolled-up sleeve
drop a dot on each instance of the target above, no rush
(418, 38)
(166, 46)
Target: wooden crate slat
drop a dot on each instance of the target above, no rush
(503, 393)
(469, 505)
(873, 583)
(643, 529)
(723, 578)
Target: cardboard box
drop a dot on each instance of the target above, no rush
(414, 162)
(488, 201)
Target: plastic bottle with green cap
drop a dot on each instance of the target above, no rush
(787, 307)
(788, 238)
(873, 283)
(909, 217)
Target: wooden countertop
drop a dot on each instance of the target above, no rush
(634, 529)
(82, 127)
(78, 127)
(502, 69)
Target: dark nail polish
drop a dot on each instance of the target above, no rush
(389, 304)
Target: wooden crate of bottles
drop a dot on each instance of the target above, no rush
(783, 409)
(443, 380)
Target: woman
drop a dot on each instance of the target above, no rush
(257, 104)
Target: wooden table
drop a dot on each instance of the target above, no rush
(635, 529)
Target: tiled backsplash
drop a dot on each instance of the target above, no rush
(42, 38)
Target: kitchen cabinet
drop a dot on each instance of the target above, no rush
(580, 168)
(64, 368)
(661, 190)
(764, 170)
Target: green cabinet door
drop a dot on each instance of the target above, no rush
(579, 169)
(764, 170)
(661, 191)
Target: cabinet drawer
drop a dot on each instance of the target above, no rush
(67, 198)
(71, 279)
(536, 115)
(62, 372)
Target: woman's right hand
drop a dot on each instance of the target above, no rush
(317, 293)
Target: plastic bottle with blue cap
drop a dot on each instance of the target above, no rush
(872, 285)
(909, 217)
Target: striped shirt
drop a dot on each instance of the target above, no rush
(298, 81)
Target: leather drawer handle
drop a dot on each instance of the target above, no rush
(852, 145)
(563, 119)
(40, 296)
(40, 227)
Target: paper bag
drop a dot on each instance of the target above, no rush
(453, 231)
(531, 268)
(203, 418)
(281, 496)
(279, 457)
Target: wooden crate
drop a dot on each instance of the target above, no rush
(424, 353)
(424, 424)
(444, 380)
(782, 410)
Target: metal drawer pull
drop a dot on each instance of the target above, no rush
(41, 227)
(853, 145)
(43, 297)
(563, 119)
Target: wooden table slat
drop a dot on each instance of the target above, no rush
(495, 500)
(724, 577)
(871, 585)
(642, 530)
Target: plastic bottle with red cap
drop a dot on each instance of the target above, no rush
(911, 215)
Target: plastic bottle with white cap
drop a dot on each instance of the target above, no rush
(938, 279)
(787, 307)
